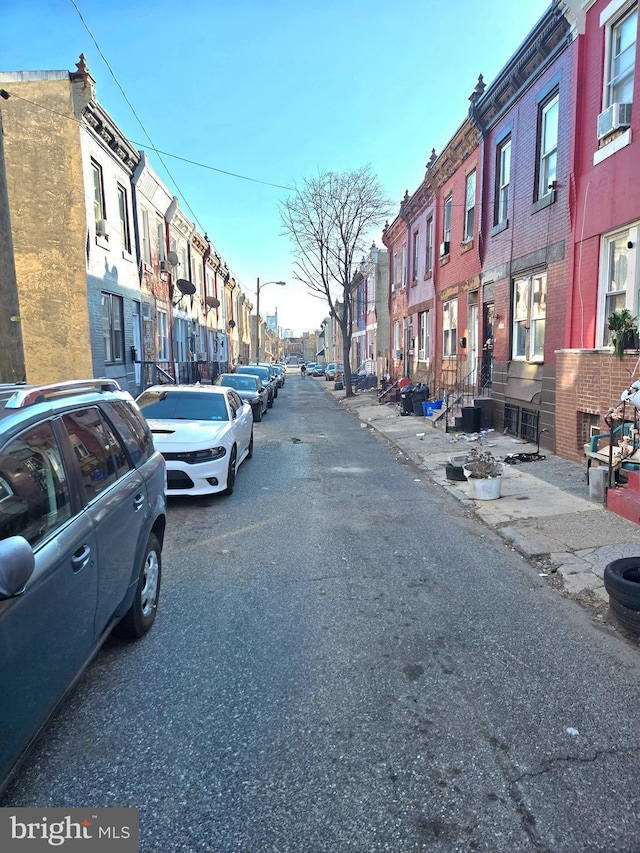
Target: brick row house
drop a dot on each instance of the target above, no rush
(507, 260)
(112, 278)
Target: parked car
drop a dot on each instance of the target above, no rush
(82, 523)
(317, 370)
(204, 432)
(265, 375)
(273, 373)
(282, 373)
(333, 372)
(249, 388)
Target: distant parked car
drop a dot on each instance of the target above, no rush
(265, 375)
(204, 432)
(282, 373)
(249, 388)
(317, 370)
(82, 522)
(333, 372)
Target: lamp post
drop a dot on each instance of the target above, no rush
(258, 285)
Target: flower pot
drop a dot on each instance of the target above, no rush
(483, 488)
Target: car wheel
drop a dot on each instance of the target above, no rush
(257, 413)
(231, 473)
(250, 448)
(141, 615)
(270, 403)
(275, 393)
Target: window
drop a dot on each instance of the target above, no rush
(34, 493)
(529, 317)
(547, 145)
(160, 235)
(133, 429)
(446, 229)
(123, 212)
(416, 249)
(449, 328)
(396, 339)
(146, 242)
(469, 206)
(163, 336)
(617, 277)
(503, 175)
(99, 452)
(404, 265)
(428, 266)
(98, 192)
(622, 53)
(395, 271)
(423, 332)
(112, 328)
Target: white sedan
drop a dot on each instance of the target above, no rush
(204, 432)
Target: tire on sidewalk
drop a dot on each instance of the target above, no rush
(622, 581)
(628, 618)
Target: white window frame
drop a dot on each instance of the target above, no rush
(450, 328)
(145, 237)
(613, 17)
(163, 335)
(469, 206)
(529, 293)
(446, 219)
(113, 327)
(416, 256)
(503, 179)
(548, 148)
(123, 214)
(99, 210)
(428, 255)
(394, 272)
(423, 336)
(614, 293)
(396, 338)
(404, 265)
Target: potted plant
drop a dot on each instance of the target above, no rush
(624, 331)
(484, 474)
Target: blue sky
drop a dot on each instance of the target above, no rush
(274, 90)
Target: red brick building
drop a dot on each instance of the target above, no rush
(604, 262)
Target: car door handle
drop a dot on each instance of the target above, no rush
(80, 558)
(138, 502)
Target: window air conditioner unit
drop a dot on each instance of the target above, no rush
(422, 355)
(101, 227)
(396, 353)
(444, 248)
(164, 266)
(617, 116)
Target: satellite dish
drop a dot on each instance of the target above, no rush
(232, 324)
(173, 259)
(212, 302)
(185, 287)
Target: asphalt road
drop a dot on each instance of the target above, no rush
(344, 660)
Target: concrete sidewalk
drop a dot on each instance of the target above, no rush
(545, 512)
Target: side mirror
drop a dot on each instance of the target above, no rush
(16, 565)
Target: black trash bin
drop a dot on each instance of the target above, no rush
(419, 396)
(406, 398)
(471, 419)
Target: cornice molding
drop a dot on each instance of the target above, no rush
(106, 130)
(457, 151)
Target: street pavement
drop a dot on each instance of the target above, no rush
(545, 511)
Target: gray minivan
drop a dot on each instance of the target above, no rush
(82, 522)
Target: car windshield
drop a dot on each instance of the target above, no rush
(240, 382)
(183, 406)
(262, 372)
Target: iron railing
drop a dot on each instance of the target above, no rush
(181, 372)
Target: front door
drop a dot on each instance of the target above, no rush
(487, 345)
(472, 345)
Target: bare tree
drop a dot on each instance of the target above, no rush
(329, 219)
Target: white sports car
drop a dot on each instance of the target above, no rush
(204, 432)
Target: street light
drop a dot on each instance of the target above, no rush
(258, 285)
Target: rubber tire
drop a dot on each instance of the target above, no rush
(622, 581)
(628, 618)
(269, 402)
(231, 472)
(275, 393)
(257, 414)
(139, 618)
(250, 449)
